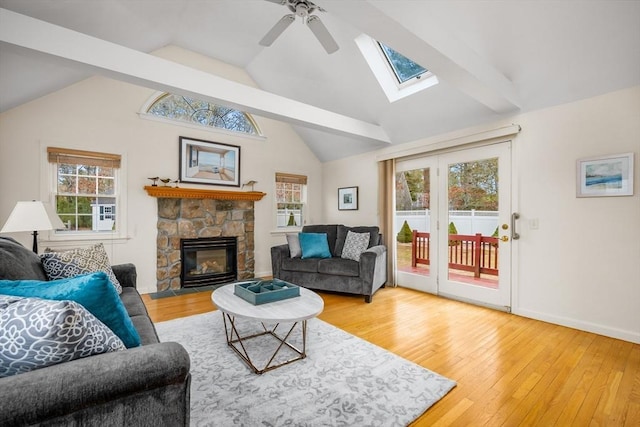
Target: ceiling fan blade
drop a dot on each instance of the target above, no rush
(277, 29)
(322, 34)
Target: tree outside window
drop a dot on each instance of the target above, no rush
(85, 191)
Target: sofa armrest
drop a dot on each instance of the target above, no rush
(126, 274)
(71, 387)
(278, 253)
(373, 268)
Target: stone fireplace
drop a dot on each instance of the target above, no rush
(186, 214)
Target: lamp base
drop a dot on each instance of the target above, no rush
(35, 241)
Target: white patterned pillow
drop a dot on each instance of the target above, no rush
(72, 263)
(354, 245)
(294, 245)
(35, 333)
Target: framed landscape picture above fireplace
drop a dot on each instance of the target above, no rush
(208, 162)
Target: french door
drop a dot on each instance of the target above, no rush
(453, 224)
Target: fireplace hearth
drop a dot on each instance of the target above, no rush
(208, 261)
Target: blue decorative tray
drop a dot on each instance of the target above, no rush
(264, 291)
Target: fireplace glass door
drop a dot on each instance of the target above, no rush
(208, 261)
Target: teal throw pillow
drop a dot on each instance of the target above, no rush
(314, 245)
(93, 291)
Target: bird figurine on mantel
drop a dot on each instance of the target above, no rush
(155, 181)
(249, 183)
(165, 181)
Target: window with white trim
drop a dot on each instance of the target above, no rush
(403, 68)
(291, 196)
(199, 112)
(397, 75)
(86, 190)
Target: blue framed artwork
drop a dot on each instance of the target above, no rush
(605, 176)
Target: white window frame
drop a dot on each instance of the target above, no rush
(303, 209)
(144, 114)
(379, 65)
(49, 191)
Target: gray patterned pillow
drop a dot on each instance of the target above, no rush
(35, 333)
(354, 245)
(72, 263)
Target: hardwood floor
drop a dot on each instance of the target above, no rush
(511, 371)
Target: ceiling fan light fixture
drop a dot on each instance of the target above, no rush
(303, 9)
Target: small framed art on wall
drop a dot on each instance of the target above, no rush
(348, 198)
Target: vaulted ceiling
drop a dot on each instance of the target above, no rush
(493, 59)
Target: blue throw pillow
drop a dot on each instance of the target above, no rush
(93, 291)
(314, 245)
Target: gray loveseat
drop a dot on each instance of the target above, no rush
(363, 277)
(142, 386)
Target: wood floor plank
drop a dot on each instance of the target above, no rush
(554, 366)
(510, 370)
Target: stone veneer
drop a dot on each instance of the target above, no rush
(191, 218)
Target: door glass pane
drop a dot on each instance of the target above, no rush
(413, 221)
(473, 222)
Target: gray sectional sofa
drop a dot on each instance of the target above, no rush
(362, 277)
(147, 385)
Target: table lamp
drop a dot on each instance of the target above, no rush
(32, 216)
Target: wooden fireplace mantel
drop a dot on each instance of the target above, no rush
(199, 193)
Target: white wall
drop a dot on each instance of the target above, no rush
(100, 114)
(581, 267)
(357, 171)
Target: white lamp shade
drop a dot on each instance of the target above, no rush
(32, 216)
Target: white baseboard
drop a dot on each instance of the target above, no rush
(626, 335)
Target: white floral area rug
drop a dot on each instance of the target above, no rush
(343, 381)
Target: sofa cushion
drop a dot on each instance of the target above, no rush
(339, 267)
(342, 231)
(71, 263)
(133, 303)
(293, 240)
(314, 245)
(298, 264)
(354, 245)
(18, 262)
(146, 330)
(331, 230)
(94, 291)
(37, 333)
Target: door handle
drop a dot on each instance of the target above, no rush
(514, 217)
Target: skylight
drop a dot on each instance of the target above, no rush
(397, 75)
(403, 68)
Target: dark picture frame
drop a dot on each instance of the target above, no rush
(348, 198)
(209, 162)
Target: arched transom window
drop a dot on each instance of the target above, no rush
(192, 110)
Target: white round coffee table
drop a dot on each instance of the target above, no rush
(295, 310)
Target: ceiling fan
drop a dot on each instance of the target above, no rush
(303, 9)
